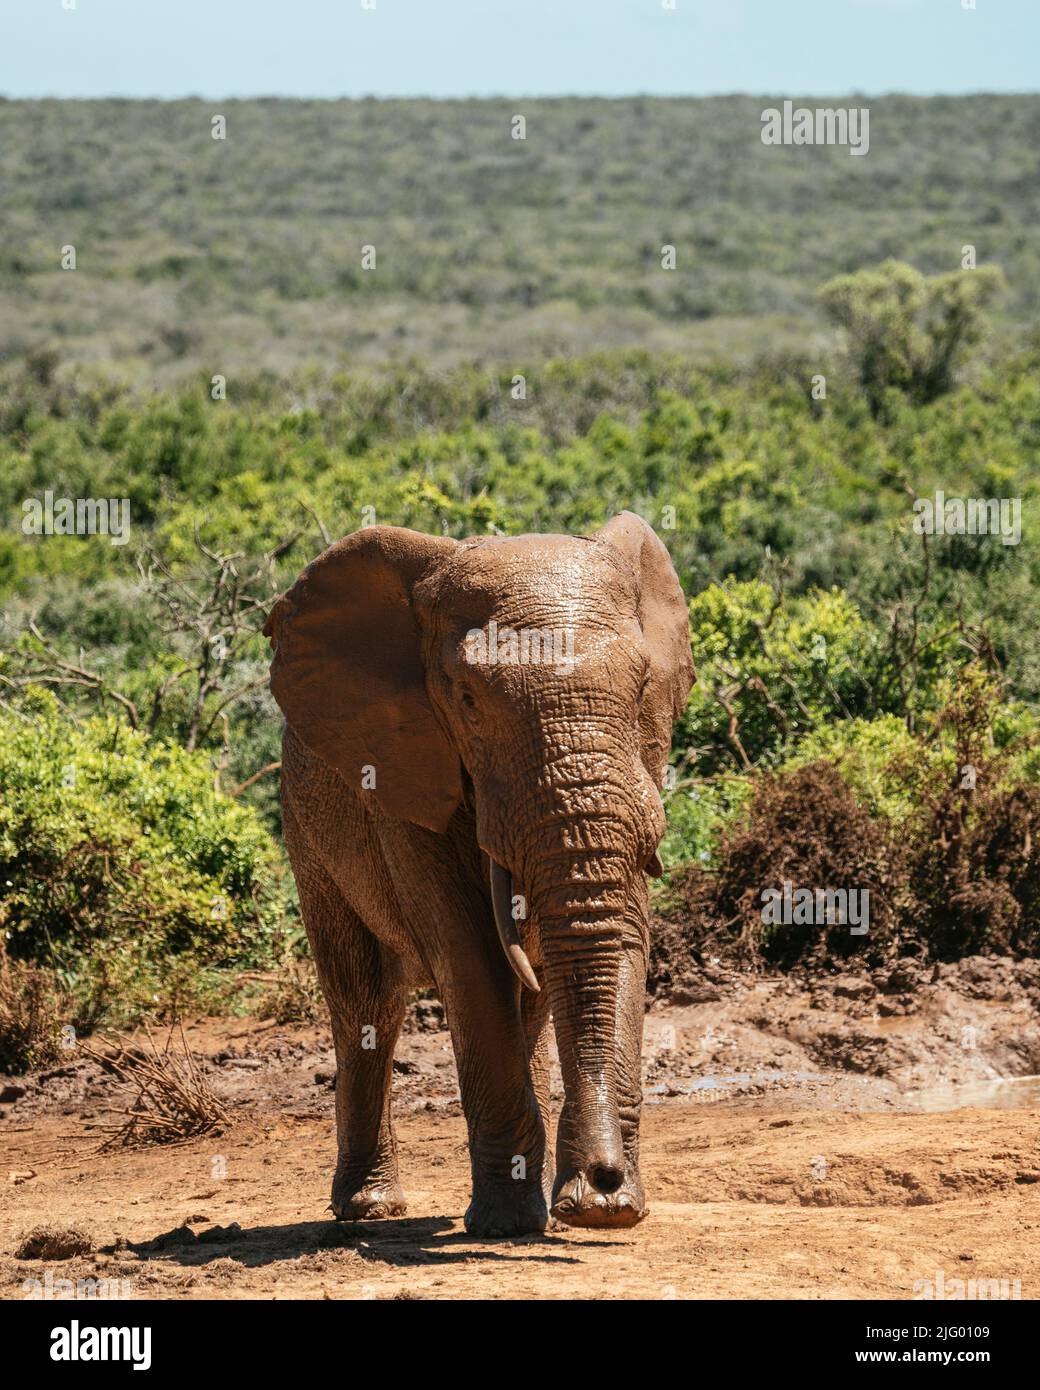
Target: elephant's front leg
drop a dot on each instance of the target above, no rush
(366, 992)
(365, 1031)
(507, 1143)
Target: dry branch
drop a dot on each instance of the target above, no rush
(173, 1102)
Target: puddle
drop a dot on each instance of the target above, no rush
(729, 1083)
(1007, 1093)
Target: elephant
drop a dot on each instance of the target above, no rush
(476, 735)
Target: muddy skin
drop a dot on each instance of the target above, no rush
(433, 775)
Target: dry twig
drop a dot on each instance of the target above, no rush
(173, 1101)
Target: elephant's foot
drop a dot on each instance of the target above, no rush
(373, 1197)
(578, 1203)
(371, 1204)
(515, 1209)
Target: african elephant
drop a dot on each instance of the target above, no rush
(476, 732)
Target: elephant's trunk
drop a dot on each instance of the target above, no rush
(584, 933)
(586, 829)
(582, 968)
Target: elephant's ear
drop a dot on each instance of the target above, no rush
(348, 672)
(665, 622)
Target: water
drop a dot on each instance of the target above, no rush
(709, 1088)
(1006, 1093)
(1003, 1093)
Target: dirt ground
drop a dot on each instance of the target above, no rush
(798, 1143)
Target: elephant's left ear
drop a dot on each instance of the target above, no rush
(665, 623)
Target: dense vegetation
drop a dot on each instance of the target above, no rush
(225, 254)
(867, 704)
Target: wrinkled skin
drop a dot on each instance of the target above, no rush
(410, 761)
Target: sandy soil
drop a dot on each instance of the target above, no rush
(771, 1171)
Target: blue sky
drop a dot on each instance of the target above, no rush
(451, 48)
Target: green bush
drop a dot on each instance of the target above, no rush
(698, 811)
(906, 331)
(119, 860)
(881, 762)
(771, 671)
(823, 628)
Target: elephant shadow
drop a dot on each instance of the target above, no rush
(404, 1242)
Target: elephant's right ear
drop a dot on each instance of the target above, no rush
(348, 673)
(665, 622)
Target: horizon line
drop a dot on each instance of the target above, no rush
(525, 96)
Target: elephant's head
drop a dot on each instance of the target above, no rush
(538, 676)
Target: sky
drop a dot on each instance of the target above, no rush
(459, 48)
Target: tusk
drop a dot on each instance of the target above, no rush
(502, 902)
(654, 867)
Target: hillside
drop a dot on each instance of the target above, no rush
(246, 252)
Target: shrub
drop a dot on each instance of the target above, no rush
(942, 826)
(698, 809)
(771, 670)
(804, 827)
(976, 877)
(974, 844)
(118, 858)
(907, 332)
(32, 1013)
(807, 828)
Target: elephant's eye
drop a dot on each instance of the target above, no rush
(467, 701)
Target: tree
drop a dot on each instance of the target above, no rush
(907, 331)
